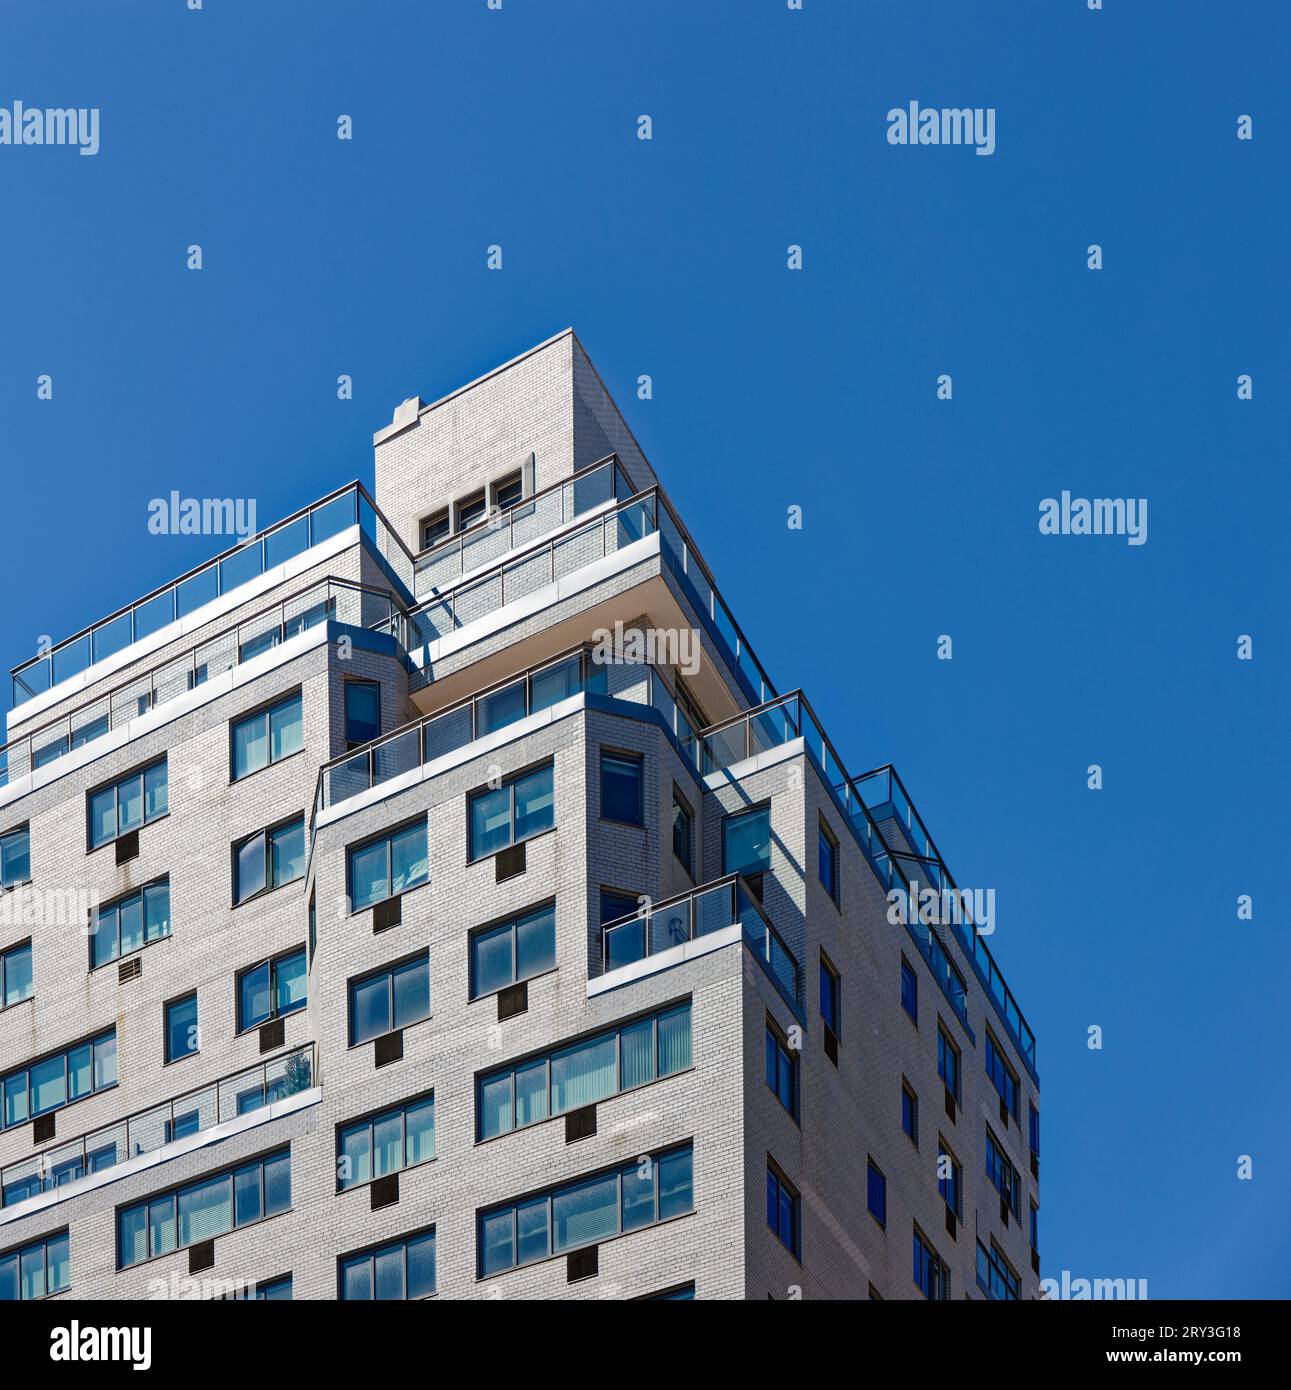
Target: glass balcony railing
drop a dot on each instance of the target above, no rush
(698, 913)
(281, 542)
(202, 1109)
(337, 600)
(864, 801)
(528, 521)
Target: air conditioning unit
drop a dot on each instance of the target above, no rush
(128, 847)
(513, 1000)
(389, 1048)
(583, 1264)
(509, 863)
(273, 1034)
(385, 1191)
(128, 970)
(580, 1124)
(387, 914)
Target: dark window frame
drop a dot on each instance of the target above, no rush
(388, 836)
(637, 760)
(680, 803)
(370, 1117)
(512, 920)
(166, 1007)
(508, 783)
(835, 889)
(388, 970)
(266, 835)
(272, 962)
(265, 711)
(115, 905)
(114, 784)
(347, 683)
(370, 1252)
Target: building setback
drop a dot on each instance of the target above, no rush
(435, 895)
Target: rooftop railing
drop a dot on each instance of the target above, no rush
(791, 717)
(530, 519)
(689, 916)
(238, 1094)
(338, 600)
(349, 506)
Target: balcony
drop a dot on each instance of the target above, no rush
(192, 1113)
(335, 600)
(300, 532)
(637, 944)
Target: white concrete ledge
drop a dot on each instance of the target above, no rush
(665, 960)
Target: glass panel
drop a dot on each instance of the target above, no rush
(412, 992)
(156, 904)
(638, 1194)
(387, 1144)
(48, 1084)
(531, 1228)
(15, 1098)
(501, 708)
(408, 858)
(130, 917)
(388, 1266)
(156, 801)
(490, 822)
(637, 1052)
(535, 803)
(356, 1279)
(491, 961)
(288, 844)
(113, 636)
(531, 1092)
(332, 517)
(105, 1061)
(104, 945)
(536, 943)
(243, 565)
(421, 1266)
(103, 822)
(674, 1041)
(277, 1184)
(497, 1114)
(355, 1163)
(198, 589)
(246, 1195)
(286, 729)
(253, 997)
(130, 803)
(676, 1183)
(17, 976)
(620, 789)
(586, 1213)
(250, 745)
(369, 1008)
(205, 1210)
(747, 842)
(556, 683)
(32, 1262)
(80, 1072)
(181, 1028)
(583, 1074)
(290, 976)
(286, 541)
(497, 1241)
(250, 868)
(419, 1132)
(362, 711)
(368, 881)
(132, 1237)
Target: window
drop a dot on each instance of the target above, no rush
(272, 989)
(947, 1062)
(782, 1069)
(931, 1277)
(746, 842)
(267, 736)
(36, 1271)
(621, 787)
(683, 1292)
(60, 1079)
(268, 859)
(1003, 1077)
(389, 866)
(515, 811)
(634, 1054)
(1002, 1175)
(827, 859)
(129, 803)
(362, 711)
(995, 1276)
(683, 828)
(1033, 1130)
(1035, 1227)
(402, 1270)
(434, 528)
(16, 981)
(508, 491)
(400, 1138)
(876, 1192)
(181, 1027)
(271, 1290)
(831, 997)
(909, 990)
(615, 905)
(910, 1112)
(950, 1180)
(470, 509)
(628, 1198)
(15, 857)
(396, 997)
(513, 951)
(130, 924)
(200, 1210)
(783, 1210)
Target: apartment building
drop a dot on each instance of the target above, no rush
(436, 897)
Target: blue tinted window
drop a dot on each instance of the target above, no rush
(272, 989)
(15, 857)
(267, 736)
(388, 867)
(746, 842)
(782, 1211)
(16, 981)
(909, 991)
(362, 711)
(520, 808)
(181, 1028)
(129, 803)
(827, 860)
(910, 1113)
(830, 991)
(782, 1071)
(621, 787)
(513, 951)
(876, 1193)
(389, 999)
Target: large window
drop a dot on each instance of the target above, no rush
(389, 866)
(1002, 1175)
(60, 1079)
(683, 832)
(400, 1138)
(909, 990)
(181, 1027)
(947, 1062)
(129, 803)
(782, 1069)
(746, 842)
(200, 1210)
(515, 811)
(995, 1276)
(931, 1276)
(16, 980)
(950, 1180)
(632, 1055)
(513, 951)
(130, 924)
(876, 1192)
(267, 736)
(650, 1189)
(621, 779)
(784, 1214)
(403, 1269)
(272, 989)
(36, 1270)
(395, 997)
(827, 859)
(268, 859)
(1003, 1077)
(362, 711)
(15, 857)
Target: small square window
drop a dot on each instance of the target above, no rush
(470, 510)
(434, 528)
(362, 711)
(621, 787)
(181, 1028)
(508, 491)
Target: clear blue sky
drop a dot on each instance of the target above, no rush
(1115, 908)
